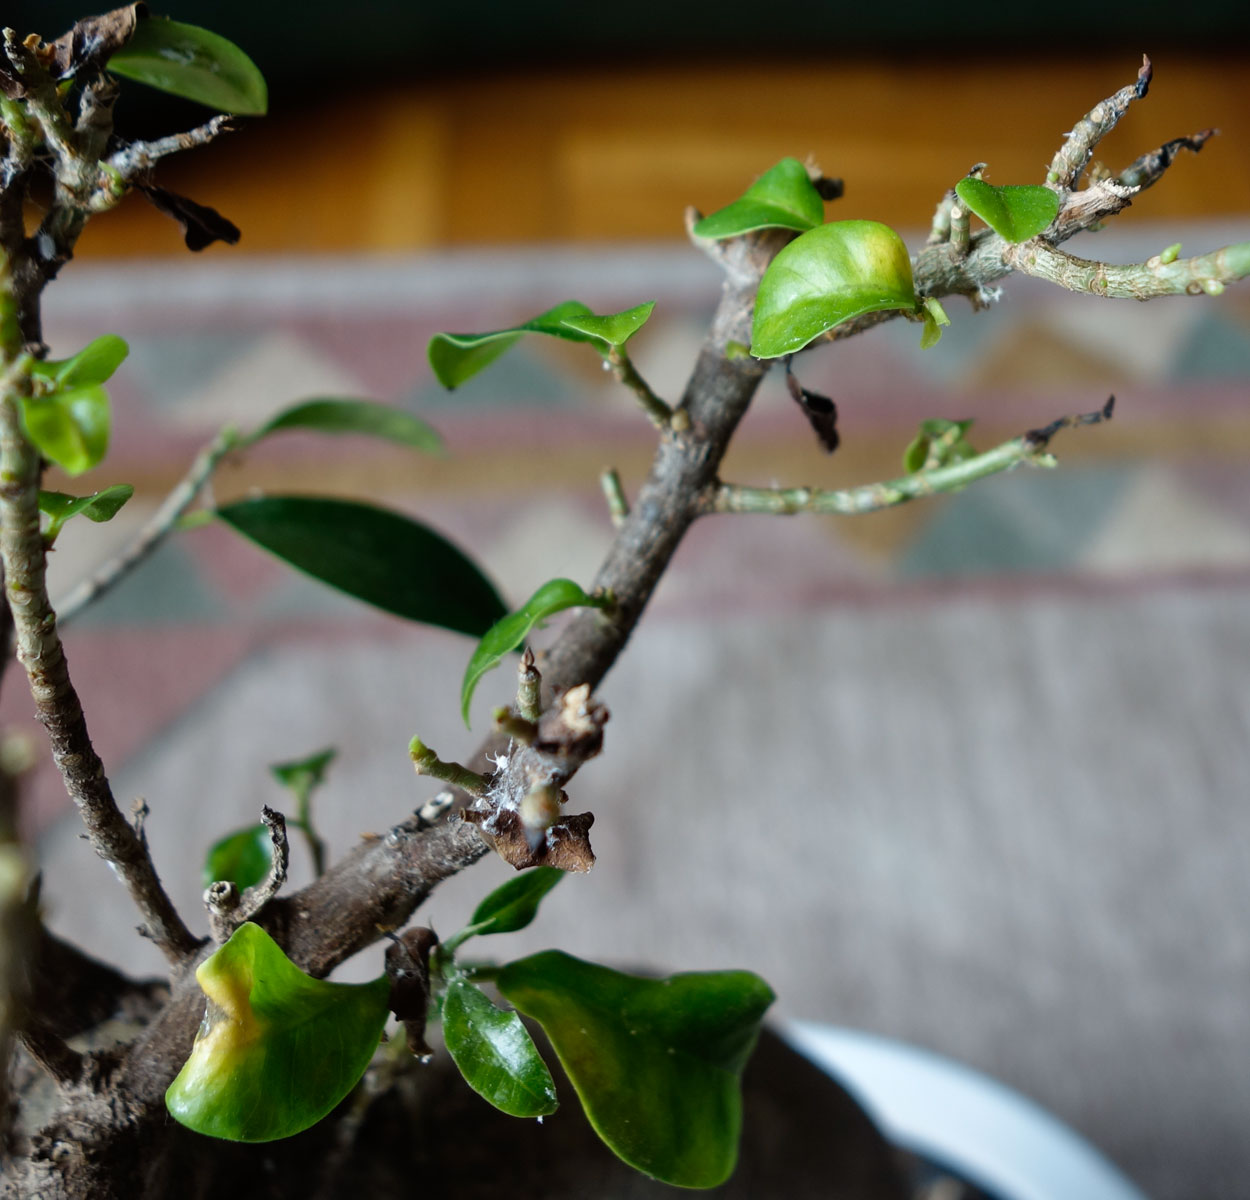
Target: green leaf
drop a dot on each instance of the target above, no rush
(277, 1049)
(69, 428)
(514, 905)
(457, 357)
(782, 197)
(242, 857)
(934, 319)
(373, 554)
(495, 1053)
(939, 443)
(99, 506)
(616, 328)
(1014, 213)
(304, 774)
(333, 415)
(826, 276)
(507, 634)
(94, 363)
(193, 63)
(656, 1063)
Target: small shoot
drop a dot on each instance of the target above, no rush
(302, 777)
(939, 443)
(508, 633)
(100, 506)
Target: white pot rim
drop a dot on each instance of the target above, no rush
(964, 1120)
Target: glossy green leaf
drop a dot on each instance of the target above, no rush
(303, 774)
(616, 328)
(457, 357)
(783, 197)
(495, 1053)
(656, 1062)
(69, 428)
(514, 905)
(100, 506)
(1013, 212)
(373, 554)
(826, 276)
(507, 634)
(277, 1049)
(939, 443)
(93, 364)
(193, 63)
(242, 857)
(334, 415)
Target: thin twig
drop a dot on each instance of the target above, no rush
(1070, 161)
(1147, 170)
(426, 762)
(658, 413)
(140, 156)
(873, 497)
(528, 688)
(154, 532)
(55, 1058)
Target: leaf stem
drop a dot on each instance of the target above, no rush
(658, 412)
(426, 762)
(614, 494)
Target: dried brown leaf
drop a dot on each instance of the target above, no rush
(93, 41)
(201, 225)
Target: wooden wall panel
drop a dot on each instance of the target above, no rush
(609, 154)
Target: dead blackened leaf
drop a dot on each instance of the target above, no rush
(821, 412)
(566, 845)
(408, 969)
(201, 225)
(93, 41)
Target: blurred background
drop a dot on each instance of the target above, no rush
(970, 773)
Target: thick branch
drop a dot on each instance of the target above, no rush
(382, 882)
(40, 652)
(1207, 273)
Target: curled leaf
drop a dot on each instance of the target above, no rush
(201, 225)
(783, 197)
(193, 63)
(277, 1049)
(508, 633)
(304, 774)
(826, 276)
(90, 42)
(656, 1063)
(1015, 213)
(457, 357)
(939, 443)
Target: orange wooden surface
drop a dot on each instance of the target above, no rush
(617, 154)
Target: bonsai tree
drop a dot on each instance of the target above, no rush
(247, 1041)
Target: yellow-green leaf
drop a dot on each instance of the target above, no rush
(277, 1049)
